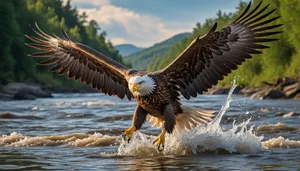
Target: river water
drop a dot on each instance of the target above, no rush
(83, 132)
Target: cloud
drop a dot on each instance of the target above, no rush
(91, 2)
(138, 29)
(118, 41)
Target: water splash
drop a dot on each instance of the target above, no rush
(141, 145)
(202, 139)
(218, 118)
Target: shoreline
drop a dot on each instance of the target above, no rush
(282, 88)
(32, 91)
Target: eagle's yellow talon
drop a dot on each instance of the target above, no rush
(127, 133)
(160, 141)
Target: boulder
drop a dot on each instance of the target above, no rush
(290, 114)
(297, 96)
(282, 88)
(22, 91)
(261, 94)
(292, 90)
(281, 82)
(268, 93)
(247, 91)
(275, 94)
(287, 115)
(219, 91)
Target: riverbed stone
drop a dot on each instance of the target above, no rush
(291, 114)
(23, 91)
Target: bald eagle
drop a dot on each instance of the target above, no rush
(200, 66)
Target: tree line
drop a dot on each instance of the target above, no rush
(51, 16)
(282, 59)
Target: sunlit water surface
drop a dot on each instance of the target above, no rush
(83, 131)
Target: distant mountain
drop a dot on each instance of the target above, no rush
(141, 59)
(127, 49)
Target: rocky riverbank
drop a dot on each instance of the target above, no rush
(30, 91)
(282, 88)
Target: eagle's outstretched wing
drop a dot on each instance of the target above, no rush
(81, 62)
(211, 57)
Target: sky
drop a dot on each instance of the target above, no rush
(146, 22)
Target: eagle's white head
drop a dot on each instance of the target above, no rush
(141, 85)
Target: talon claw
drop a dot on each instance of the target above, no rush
(162, 148)
(126, 137)
(127, 133)
(129, 138)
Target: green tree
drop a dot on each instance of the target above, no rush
(51, 16)
(8, 27)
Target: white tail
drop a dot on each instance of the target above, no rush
(189, 118)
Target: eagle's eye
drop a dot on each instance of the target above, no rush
(141, 82)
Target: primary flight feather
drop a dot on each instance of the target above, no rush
(200, 66)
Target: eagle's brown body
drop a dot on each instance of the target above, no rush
(200, 66)
(155, 103)
(162, 96)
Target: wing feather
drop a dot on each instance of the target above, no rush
(211, 57)
(81, 62)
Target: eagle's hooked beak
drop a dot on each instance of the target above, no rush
(135, 87)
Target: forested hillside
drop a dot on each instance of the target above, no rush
(282, 59)
(51, 16)
(141, 59)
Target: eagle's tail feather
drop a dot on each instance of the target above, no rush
(189, 118)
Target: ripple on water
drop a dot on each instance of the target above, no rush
(81, 103)
(80, 115)
(114, 118)
(281, 142)
(13, 116)
(76, 140)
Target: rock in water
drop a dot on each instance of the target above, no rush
(22, 91)
(290, 114)
(275, 94)
(292, 90)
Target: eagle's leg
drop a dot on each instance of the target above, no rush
(138, 119)
(169, 117)
(160, 140)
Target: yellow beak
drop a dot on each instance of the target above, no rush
(135, 87)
